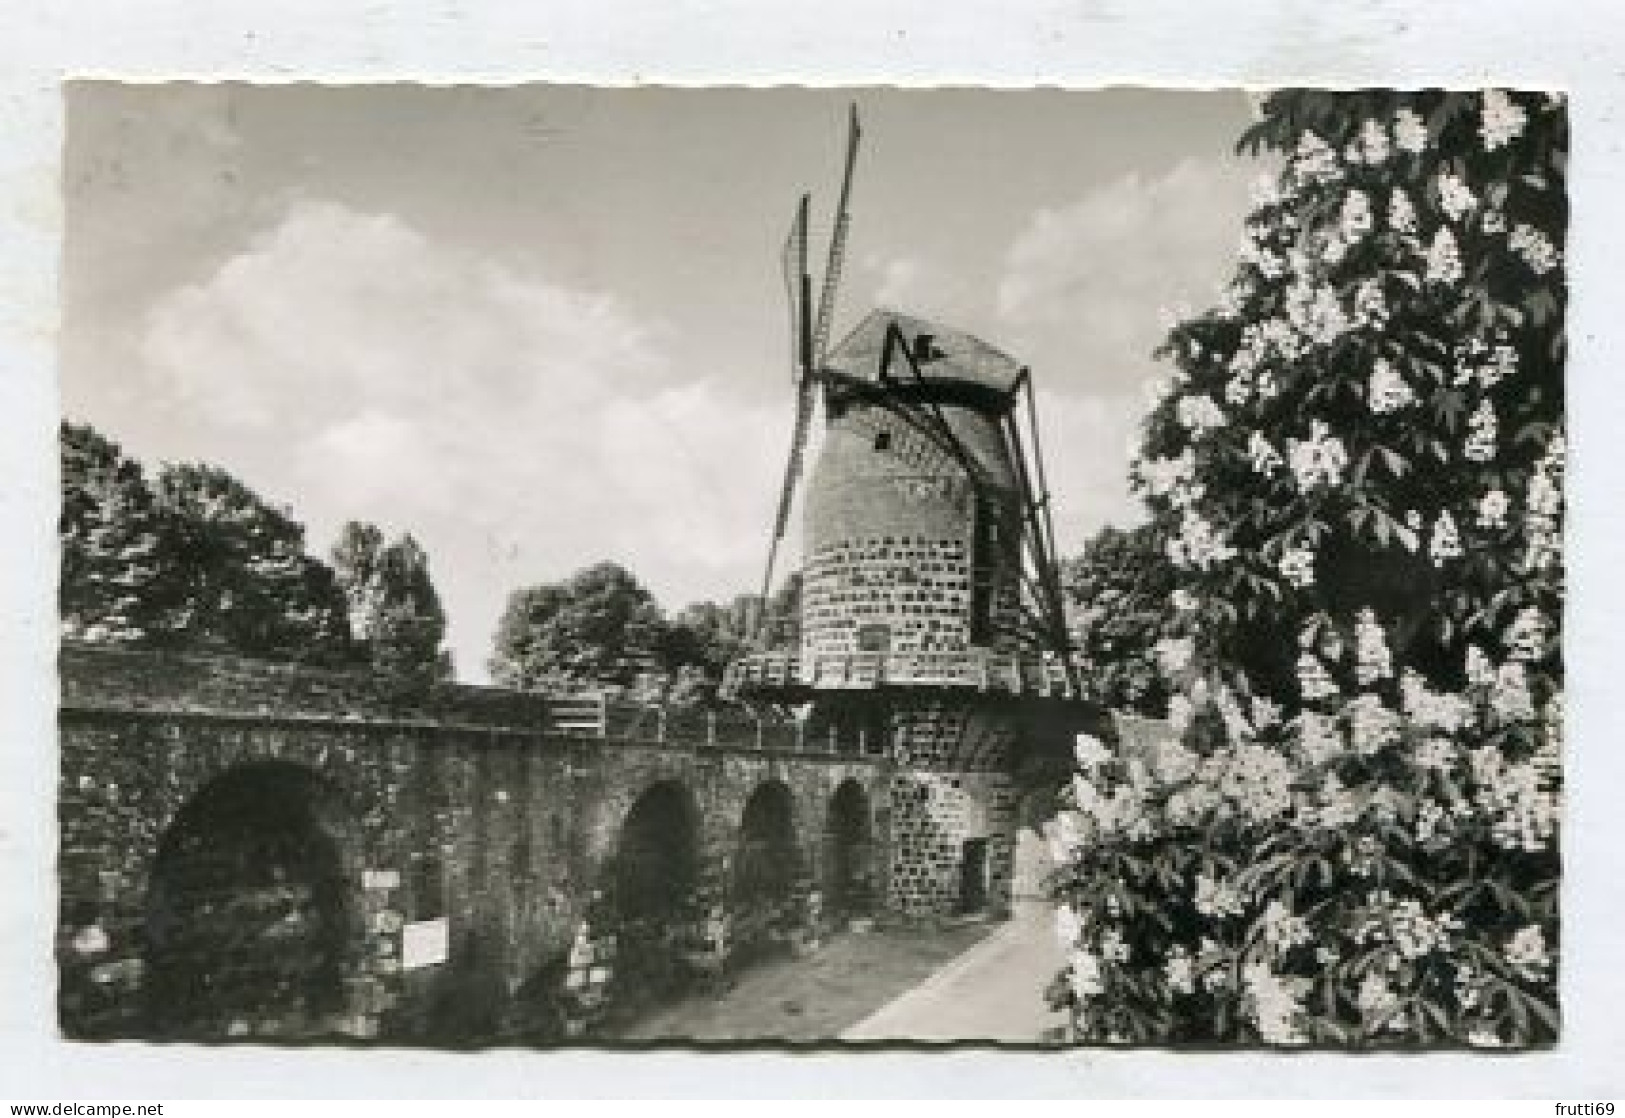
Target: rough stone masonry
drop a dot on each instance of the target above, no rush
(252, 850)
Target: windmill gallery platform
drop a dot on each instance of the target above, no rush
(259, 851)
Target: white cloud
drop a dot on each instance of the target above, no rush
(1085, 284)
(352, 366)
(1083, 297)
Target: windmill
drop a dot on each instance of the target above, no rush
(899, 379)
(932, 624)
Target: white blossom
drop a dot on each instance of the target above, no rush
(1319, 737)
(1446, 541)
(1455, 196)
(1401, 212)
(1544, 508)
(1314, 682)
(1376, 998)
(1199, 414)
(1370, 304)
(1374, 145)
(1283, 930)
(1526, 950)
(1084, 975)
(1198, 543)
(1318, 460)
(1068, 926)
(1177, 970)
(1372, 725)
(1113, 947)
(1314, 160)
(1216, 899)
(1410, 134)
(1297, 566)
(1388, 390)
(1238, 389)
(1526, 637)
(1089, 753)
(1355, 217)
(1492, 509)
(1509, 694)
(1266, 460)
(1373, 659)
(1534, 247)
(1275, 1005)
(1500, 120)
(1258, 780)
(1482, 428)
(1443, 258)
(1174, 654)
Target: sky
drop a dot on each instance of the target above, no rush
(542, 326)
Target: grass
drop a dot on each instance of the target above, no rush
(810, 998)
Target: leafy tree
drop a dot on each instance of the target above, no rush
(1351, 834)
(600, 628)
(394, 611)
(698, 644)
(781, 628)
(111, 539)
(355, 562)
(1118, 592)
(238, 577)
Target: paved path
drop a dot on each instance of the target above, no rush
(993, 992)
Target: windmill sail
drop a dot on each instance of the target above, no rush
(837, 244)
(794, 261)
(798, 290)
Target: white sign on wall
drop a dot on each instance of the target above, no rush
(425, 943)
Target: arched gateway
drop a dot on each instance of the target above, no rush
(252, 927)
(655, 886)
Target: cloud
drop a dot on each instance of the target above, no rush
(1084, 295)
(519, 427)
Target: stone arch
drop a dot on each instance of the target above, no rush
(653, 889)
(849, 853)
(253, 923)
(766, 870)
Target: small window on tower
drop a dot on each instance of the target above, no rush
(883, 440)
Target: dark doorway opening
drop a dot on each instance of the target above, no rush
(765, 870)
(973, 875)
(849, 883)
(250, 928)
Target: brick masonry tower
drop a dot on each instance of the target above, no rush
(931, 620)
(920, 637)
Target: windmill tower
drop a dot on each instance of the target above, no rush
(931, 613)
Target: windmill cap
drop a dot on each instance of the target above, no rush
(941, 353)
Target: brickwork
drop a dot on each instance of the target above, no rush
(913, 545)
(941, 821)
(444, 820)
(916, 590)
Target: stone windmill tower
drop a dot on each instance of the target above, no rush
(931, 614)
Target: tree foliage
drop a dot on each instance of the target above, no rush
(238, 577)
(193, 559)
(111, 537)
(1117, 591)
(1356, 472)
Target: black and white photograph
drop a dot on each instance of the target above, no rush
(558, 565)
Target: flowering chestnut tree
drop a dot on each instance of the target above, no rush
(1349, 833)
